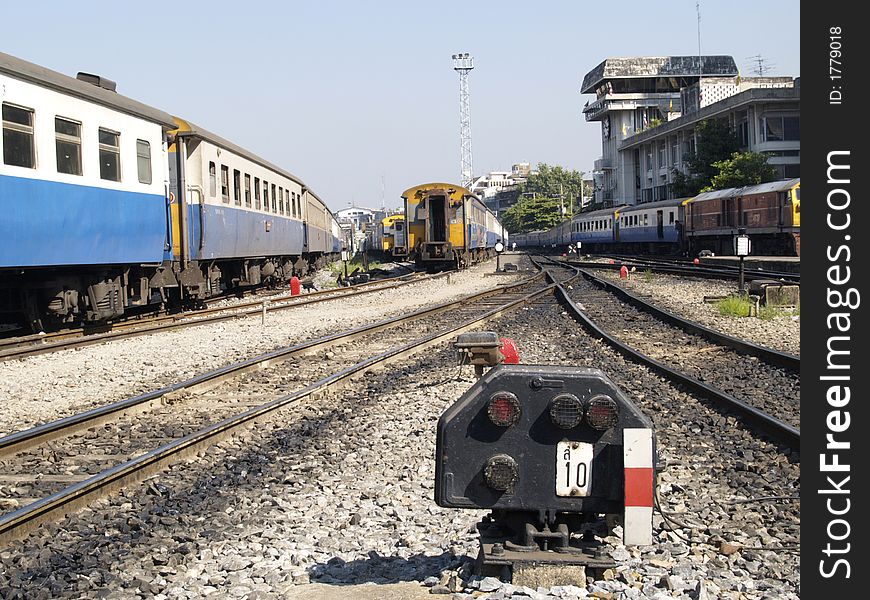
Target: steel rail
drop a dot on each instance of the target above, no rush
(778, 429)
(770, 355)
(682, 262)
(689, 270)
(183, 320)
(17, 523)
(22, 440)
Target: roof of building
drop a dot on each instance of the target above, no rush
(658, 66)
(28, 71)
(730, 103)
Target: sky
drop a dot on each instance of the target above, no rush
(360, 100)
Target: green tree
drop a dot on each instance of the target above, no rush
(742, 168)
(553, 182)
(532, 214)
(716, 141)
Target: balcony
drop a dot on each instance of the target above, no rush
(603, 164)
(664, 102)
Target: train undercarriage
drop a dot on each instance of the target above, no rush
(47, 298)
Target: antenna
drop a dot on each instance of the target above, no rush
(762, 67)
(463, 63)
(698, 10)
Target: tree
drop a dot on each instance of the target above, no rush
(532, 214)
(554, 182)
(716, 141)
(742, 168)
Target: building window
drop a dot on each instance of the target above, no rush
(675, 152)
(143, 161)
(777, 129)
(225, 183)
(110, 155)
(663, 155)
(237, 187)
(68, 146)
(212, 180)
(247, 190)
(18, 150)
(649, 158)
(257, 204)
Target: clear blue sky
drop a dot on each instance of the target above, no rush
(345, 93)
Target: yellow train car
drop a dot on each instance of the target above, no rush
(393, 240)
(448, 226)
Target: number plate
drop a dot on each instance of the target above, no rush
(573, 468)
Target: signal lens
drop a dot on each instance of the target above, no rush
(566, 411)
(501, 473)
(503, 409)
(602, 412)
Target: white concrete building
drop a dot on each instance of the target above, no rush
(648, 108)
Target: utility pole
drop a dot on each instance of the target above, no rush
(463, 63)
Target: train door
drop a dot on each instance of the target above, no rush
(729, 212)
(660, 224)
(437, 206)
(399, 237)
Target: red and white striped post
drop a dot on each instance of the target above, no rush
(637, 452)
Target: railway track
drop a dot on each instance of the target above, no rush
(54, 468)
(732, 373)
(32, 345)
(686, 269)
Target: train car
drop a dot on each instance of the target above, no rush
(244, 219)
(390, 236)
(770, 213)
(447, 225)
(83, 196)
(651, 228)
(110, 204)
(594, 229)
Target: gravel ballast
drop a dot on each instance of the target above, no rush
(340, 493)
(684, 296)
(43, 388)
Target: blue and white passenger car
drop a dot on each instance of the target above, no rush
(82, 191)
(109, 204)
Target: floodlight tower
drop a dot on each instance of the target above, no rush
(462, 64)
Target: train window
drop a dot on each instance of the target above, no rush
(266, 196)
(18, 150)
(110, 155)
(68, 146)
(212, 180)
(293, 200)
(281, 200)
(237, 187)
(143, 161)
(225, 183)
(247, 190)
(257, 204)
(671, 217)
(646, 219)
(274, 198)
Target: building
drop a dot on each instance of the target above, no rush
(648, 108)
(495, 187)
(356, 220)
(764, 112)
